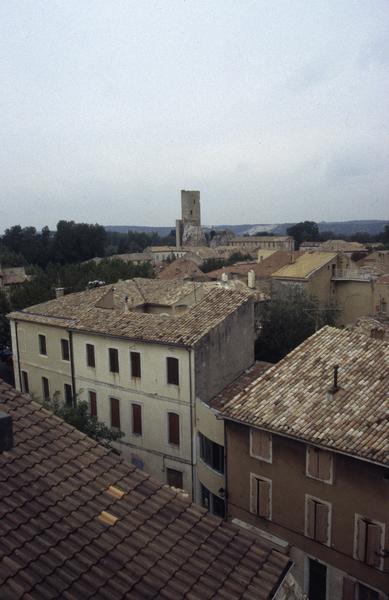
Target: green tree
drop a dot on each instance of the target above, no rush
(79, 417)
(305, 231)
(287, 320)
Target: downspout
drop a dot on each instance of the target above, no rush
(72, 366)
(225, 471)
(191, 421)
(18, 355)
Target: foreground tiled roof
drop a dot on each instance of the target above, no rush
(292, 397)
(76, 522)
(84, 311)
(305, 265)
(239, 384)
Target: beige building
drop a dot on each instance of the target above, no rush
(265, 242)
(142, 354)
(308, 463)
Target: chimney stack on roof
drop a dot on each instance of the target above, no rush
(59, 291)
(335, 387)
(6, 433)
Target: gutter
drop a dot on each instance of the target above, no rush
(192, 441)
(18, 355)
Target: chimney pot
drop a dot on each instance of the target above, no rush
(6, 433)
(59, 291)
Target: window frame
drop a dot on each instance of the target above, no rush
(65, 344)
(269, 459)
(171, 443)
(42, 338)
(87, 346)
(308, 449)
(66, 387)
(25, 379)
(170, 469)
(116, 427)
(211, 501)
(256, 477)
(203, 439)
(139, 406)
(138, 365)
(381, 525)
(45, 397)
(111, 353)
(90, 392)
(329, 524)
(176, 370)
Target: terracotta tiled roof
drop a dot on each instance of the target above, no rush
(305, 265)
(239, 384)
(265, 268)
(78, 522)
(84, 311)
(180, 268)
(292, 397)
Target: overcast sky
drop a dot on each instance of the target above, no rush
(275, 110)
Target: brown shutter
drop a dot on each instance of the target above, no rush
(373, 544)
(325, 459)
(263, 499)
(348, 589)
(313, 461)
(310, 518)
(93, 404)
(361, 539)
(254, 495)
(174, 429)
(137, 419)
(115, 413)
(261, 444)
(135, 364)
(322, 520)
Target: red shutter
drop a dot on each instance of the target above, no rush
(93, 404)
(174, 429)
(137, 419)
(373, 545)
(115, 413)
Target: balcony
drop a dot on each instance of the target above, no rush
(352, 275)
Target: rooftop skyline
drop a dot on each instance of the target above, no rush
(274, 111)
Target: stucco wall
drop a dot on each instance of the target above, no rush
(358, 487)
(355, 299)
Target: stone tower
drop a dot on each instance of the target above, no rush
(188, 228)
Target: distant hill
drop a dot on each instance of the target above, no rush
(339, 228)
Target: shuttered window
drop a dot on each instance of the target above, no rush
(261, 445)
(211, 453)
(113, 360)
(115, 413)
(174, 478)
(319, 464)
(368, 542)
(65, 349)
(25, 384)
(172, 370)
(42, 345)
(90, 355)
(68, 394)
(136, 410)
(135, 364)
(260, 496)
(174, 429)
(318, 520)
(45, 388)
(93, 404)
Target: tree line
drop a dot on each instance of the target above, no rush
(308, 231)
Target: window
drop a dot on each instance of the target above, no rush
(260, 496)
(261, 445)
(90, 355)
(45, 388)
(115, 413)
(319, 464)
(173, 429)
(353, 590)
(211, 453)
(42, 345)
(113, 360)
(172, 370)
(68, 394)
(317, 520)
(25, 384)
(135, 364)
(213, 503)
(65, 349)
(368, 541)
(136, 410)
(174, 478)
(93, 404)
(317, 580)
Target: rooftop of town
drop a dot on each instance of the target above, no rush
(299, 398)
(304, 265)
(78, 522)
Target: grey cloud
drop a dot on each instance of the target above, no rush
(354, 164)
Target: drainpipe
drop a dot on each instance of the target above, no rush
(18, 355)
(225, 472)
(192, 441)
(72, 366)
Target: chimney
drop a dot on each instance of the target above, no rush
(335, 387)
(6, 434)
(60, 291)
(126, 304)
(251, 279)
(292, 257)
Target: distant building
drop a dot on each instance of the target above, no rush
(266, 242)
(184, 269)
(12, 276)
(308, 462)
(188, 228)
